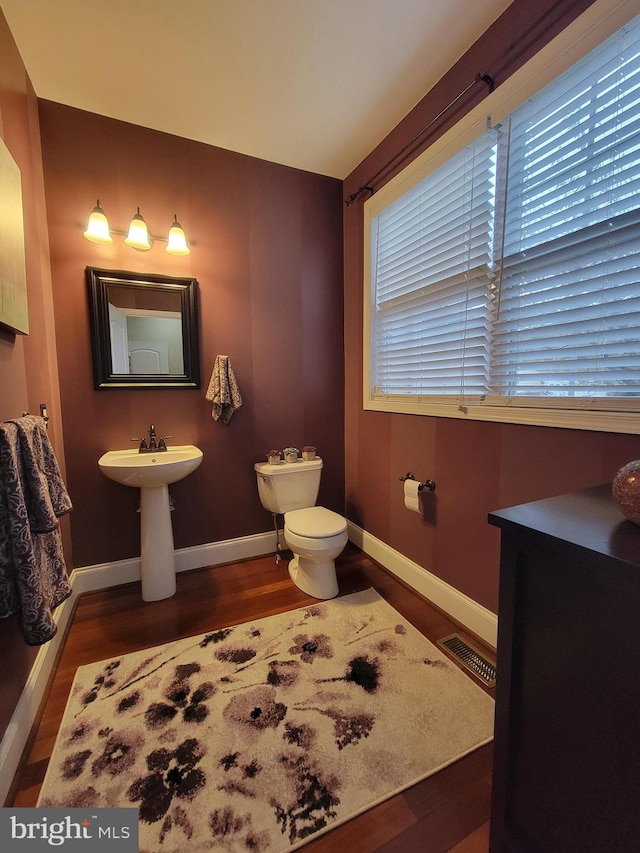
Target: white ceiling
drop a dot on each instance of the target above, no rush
(313, 84)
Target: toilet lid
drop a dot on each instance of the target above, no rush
(315, 522)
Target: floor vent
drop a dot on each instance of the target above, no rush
(472, 659)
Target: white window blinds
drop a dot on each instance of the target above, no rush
(512, 270)
(569, 320)
(434, 270)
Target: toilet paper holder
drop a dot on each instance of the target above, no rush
(428, 484)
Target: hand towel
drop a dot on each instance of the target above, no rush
(46, 495)
(33, 575)
(223, 390)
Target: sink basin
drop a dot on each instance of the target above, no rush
(152, 473)
(150, 469)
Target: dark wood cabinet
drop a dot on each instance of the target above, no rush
(566, 775)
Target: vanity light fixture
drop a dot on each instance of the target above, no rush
(138, 236)
(177, 243)
(98, 226)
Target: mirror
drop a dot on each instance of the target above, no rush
(144, 330)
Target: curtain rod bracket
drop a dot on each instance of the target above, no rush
(485, 78)
(356, 195)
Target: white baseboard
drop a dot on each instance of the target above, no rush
(463, 609)
(456, 604)
(104, 575)
(17, 733)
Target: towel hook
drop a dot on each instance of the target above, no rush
(43, 414)
(428, 484)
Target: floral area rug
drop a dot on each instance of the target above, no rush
(259, 736)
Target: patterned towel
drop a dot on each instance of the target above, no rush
(33, 575)
(223, 390)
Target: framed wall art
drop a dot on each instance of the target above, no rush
(14, 313)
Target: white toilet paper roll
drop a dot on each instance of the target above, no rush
(412, 495)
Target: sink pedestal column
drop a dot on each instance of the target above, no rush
(157, 561)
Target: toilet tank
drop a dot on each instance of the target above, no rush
(288, 485)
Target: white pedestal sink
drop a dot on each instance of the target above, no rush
(152, 472)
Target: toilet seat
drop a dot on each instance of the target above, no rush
(315, 522)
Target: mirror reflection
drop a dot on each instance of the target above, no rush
(144, 330)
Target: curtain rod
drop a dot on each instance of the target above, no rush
(480, 78)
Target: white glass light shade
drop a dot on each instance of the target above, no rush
(98, 226)
(177, 242)
(138, 236)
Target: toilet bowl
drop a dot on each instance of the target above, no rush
(316, 536)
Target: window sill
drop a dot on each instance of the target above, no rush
(579, 418)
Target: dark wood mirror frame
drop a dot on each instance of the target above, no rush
(181, 291)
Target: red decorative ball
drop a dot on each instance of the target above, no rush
(626, 490)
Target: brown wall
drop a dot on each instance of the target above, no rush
(28, 364)
(478, 467)
(267, 252)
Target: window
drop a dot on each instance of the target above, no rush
(504, 278)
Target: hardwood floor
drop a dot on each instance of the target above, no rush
(447, 812)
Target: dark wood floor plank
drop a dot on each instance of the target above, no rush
(442, 829)
(445, 809)
(475, 842)
(429, 796)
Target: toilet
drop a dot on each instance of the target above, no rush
(315, 535)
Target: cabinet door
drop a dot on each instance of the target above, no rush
(567, 761)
